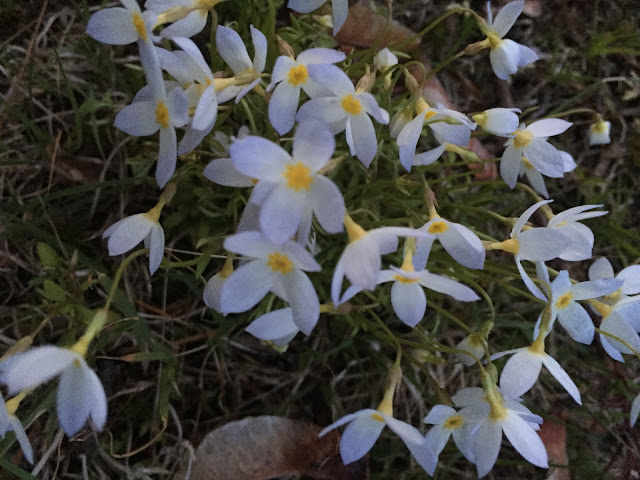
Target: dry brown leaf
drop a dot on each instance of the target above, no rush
(259, 448)
(554, 437)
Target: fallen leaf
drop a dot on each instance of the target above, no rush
(554, 437)
(260, 448)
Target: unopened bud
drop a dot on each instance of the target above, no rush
(285, 48)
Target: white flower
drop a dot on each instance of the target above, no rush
(340, 10)
(164, 113)
(189, 17)
(630, 276)
(599, 133)
(80, 393)
(534, 244)
(276, 326)
(623, 322)
(10, 423)
(506, 55)
(499, 121)
(565, 307)
(522, 370)
(364, 429)
(529, 147)
(233, 51)
(272, 267)
(461, 243)
(129, 232)
(188, 66)
(490, 415)
(582, 237)
(440, 121)
(346, 109)
(121, 26)
(290, 75)
(407, 296)
(360, 261)
(447, 422)
(296, 185)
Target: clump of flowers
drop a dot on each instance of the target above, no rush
(309, 243)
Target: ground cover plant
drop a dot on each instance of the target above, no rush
(213, 211)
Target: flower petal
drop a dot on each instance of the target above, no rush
(510, 165)
(520, 373)
(275, 326)
(408, 302)
(167, 156)
(113, 26)
(259, 158)
(129, 233)
(561, 376)
(542, 244)
(34, 367)
(156, 247)
(245, 287)
(328, 204)
(487, 440)
(359, 437)
(442, 284)
(577, 322)
(525, 440)
(138, 119)
(313, 144)
(260, 49)
(232, 49)
(281, 213)
(223, 172)
(601, 268)
(283, 106)
(504, 59)
(303, 299)
(331, 77)
(506, 17)
(548, 127)
(363, 135)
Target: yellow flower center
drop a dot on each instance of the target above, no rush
(138, 23)
(278, 262)
(298, 75)
(527, 164)
(351, 105)
(429, 114)
(614, 297)
(405, 280)
(454, 422)
(162, 114)
(522, 138)
(438, 227)
(599, 127)
(564, 300)
(298, 176)
(377, 417)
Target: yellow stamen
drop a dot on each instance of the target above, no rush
(298, 75)
(527, 164)
(438, 226)
(298, 176)
(564, 301)
(454, 422)
(162, 114)
(522, 138)
(377, 417)
(430, 114)
(138, 23)
(351, 105)
(278, 262)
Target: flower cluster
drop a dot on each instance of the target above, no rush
(295, 195)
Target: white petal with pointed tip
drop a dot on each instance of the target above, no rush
(232, 49)
(246, 287)
(129, 232)
(561, 376)
(520, 373)
(525, 440)
(303, 299)
(359, 437)
(113, 26)
(506, 17)
(487, 440)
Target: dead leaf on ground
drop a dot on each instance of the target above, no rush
(554, 437)
(260, 448)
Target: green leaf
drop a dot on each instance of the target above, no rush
(48, 256)
(54, 292)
